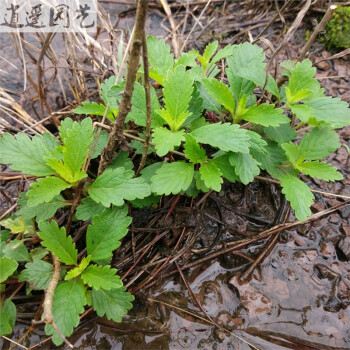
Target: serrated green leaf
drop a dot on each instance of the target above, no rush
(222, 53)
(42, 211)
(122, 160)
(289, 65)
(225, 167)
(77, 271)
(320, 143)
(195, 107)
(44, 190)
(281, 134)
(56, 241)
(166, 140)
(299, 195)
(9, 308)
(330, 111)
(113, 303)
(256, 142)
(208, 53)
(321, 170)
(8, 267)
(18, 225)
(104, 234)
(247, 62)
(192, 191)
(112, 95)
(107, 86)
(38, 253)
(225, 136)
(88, 209)
(187, 59)
(300, 82)
(27, 155)
(159, 55)
(8, 316)
(101, 277)
(200, 185)
(64, 171)
(16, 250)
(177, 92)
(38, 273)
(209, 103)
(292, 152)
(138, 111)
(211, 175)
(304, 113)
(194, 152)
(148, 172)
(274, 158)
(220, 92)
(93, 108)
(246, 167)
(5, 326)
(76, 139)
(172, 178)
(300, 95)
(198, 123)
(146, 202)
(239, 86)
(116, 185)
(68, 303)
(100, 145)
(266, 115)
(138, 147)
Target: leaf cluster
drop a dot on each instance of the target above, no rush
(219, 131)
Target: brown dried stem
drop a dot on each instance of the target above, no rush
(48, 302)
(148, 104)
(116, 136)
(319, 28)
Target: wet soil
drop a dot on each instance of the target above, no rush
(297, 298)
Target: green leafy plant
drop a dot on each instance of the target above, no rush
(338, 29)
(288, 132)
(210, 130)
(60, 168)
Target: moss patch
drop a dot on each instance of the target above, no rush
(338, 29)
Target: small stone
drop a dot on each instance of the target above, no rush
(345, 212)
(327, 250)
(318, 206)
(332, 202)
(323, 65)
(334, 218)
(344, 246)
(346, 229)
(219, 335)
(342, 155)
(330, 233)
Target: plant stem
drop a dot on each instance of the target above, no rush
(148, 104)
(319, 28)
(47, 305)
(116, 136)
(303, 52)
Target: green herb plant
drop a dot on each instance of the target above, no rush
(60, 169)
(208, 124)
(338, 29)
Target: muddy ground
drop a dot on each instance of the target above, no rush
(296, 298)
